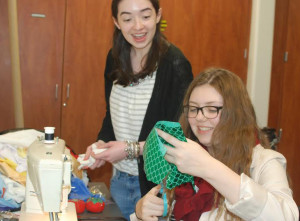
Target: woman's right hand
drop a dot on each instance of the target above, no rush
(89, 152)
(150, 207)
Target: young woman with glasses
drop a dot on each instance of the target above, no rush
(145, 80)
(236, 175)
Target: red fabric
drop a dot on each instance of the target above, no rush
(257, 141)
(3, 192)
(190, 205)
(72, 152)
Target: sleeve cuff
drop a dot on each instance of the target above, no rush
(252, 199)
(133, 217)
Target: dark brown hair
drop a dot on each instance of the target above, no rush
(123, 71)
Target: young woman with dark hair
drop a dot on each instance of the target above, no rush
(145, 80)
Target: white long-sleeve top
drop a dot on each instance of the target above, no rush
(265, 195)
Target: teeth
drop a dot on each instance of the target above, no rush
(205, 128)
(139, 35)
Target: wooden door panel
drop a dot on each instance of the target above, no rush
(210, 32)
(290, 118)
(88, 37)
(41, 57)
(278, 63)
(7, 120)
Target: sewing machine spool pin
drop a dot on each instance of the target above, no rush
(49, 135)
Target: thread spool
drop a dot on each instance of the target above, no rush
(49, 134)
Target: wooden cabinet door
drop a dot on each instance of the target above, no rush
(88, 38)
(285, 95)
(7, 120)
(210, 32)
(41, 37)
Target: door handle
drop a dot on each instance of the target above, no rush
(68, 91)
(68, 95)
(56, 91)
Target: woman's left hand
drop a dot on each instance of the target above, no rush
(150, 206)
(114, 151)
(189, 157)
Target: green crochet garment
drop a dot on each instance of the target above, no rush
(155, 165)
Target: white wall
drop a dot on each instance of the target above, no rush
(260, 57)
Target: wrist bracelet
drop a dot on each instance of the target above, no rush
(132, 149)
(137, 149)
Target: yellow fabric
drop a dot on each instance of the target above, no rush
(9, 162)
(22, 152)
(11, 173)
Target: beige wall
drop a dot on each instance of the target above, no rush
(15, 63)
(260, 57)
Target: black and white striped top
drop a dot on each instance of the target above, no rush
(128, 107)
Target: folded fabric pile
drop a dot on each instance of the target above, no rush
(12, 194)
(13, 167)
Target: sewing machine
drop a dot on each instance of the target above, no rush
(48, 181)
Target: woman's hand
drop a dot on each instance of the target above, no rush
(115, 151)
(150, 206)
(189, 157)
(89, 151)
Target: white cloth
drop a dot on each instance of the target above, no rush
(85, 163)
(22, 138)
(89, 162)
(10, 151)
(265, 195)
(14, 190)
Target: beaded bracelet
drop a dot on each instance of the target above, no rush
(132, 149)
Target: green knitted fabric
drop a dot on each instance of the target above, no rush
(155, 166)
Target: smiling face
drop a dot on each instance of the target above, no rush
(137, 21)
(203, 128)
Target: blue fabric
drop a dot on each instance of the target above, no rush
(125, 190)
(10, 209)
(5, 200)
(164, 196)
(80, 190)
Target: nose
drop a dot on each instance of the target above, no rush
(200, 116)
(138, 24)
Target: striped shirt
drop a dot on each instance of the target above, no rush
(128, 107)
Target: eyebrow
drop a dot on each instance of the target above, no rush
(128, 13)
(206, 104)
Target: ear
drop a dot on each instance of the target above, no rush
(116, 23)
(158, 16)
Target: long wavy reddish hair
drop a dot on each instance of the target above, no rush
(237, 132)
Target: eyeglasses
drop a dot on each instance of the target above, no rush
(209, 112)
